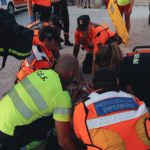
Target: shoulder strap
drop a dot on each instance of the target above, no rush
(40, 50)
(138, 52)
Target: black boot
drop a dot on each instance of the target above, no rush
(67, 42)
(59, 46)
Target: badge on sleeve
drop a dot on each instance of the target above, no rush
(99, 45)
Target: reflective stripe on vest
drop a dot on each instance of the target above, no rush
(63, 111)
(20, 105)
(116, 118)
(48, 114)
(99, 24)
(37, 54)
(102, 26)
(93, 96)
(34, 94)
(1, 49)
(16, 53)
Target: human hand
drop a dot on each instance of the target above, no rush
(85, 89)
(31, 19)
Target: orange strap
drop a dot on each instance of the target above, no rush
(137, 52)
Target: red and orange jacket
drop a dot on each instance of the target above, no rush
(99, 34)
(46, 3)
(112, 121)
(40, 58)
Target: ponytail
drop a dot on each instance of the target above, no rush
(109, 56)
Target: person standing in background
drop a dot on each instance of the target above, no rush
(125, 6)
(42, 7)
(60, 9)
(86, 4)
(79, 3)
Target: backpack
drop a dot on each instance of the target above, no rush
(15, 40)
(141, 51)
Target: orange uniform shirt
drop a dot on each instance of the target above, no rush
(99, 34)
(46, 3)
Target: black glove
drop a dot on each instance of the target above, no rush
(117, 39)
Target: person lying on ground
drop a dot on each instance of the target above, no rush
(78, 90)
(111, 113)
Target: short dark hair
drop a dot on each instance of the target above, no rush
(104, 77)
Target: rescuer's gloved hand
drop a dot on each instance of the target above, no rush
(52, 11)
(117, 39)
(31, 19)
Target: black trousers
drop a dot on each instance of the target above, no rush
(87, 63)
(24, 135)
(43, 11)
(60, 9)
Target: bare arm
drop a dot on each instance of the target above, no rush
(76, 50)
(29, 3)
(65, 139)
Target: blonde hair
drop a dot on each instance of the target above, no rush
(109, 56)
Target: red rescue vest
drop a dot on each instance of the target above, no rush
(40, 58)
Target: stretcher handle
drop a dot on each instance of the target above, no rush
(137, 47)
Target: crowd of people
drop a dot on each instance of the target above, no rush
(52, 108)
